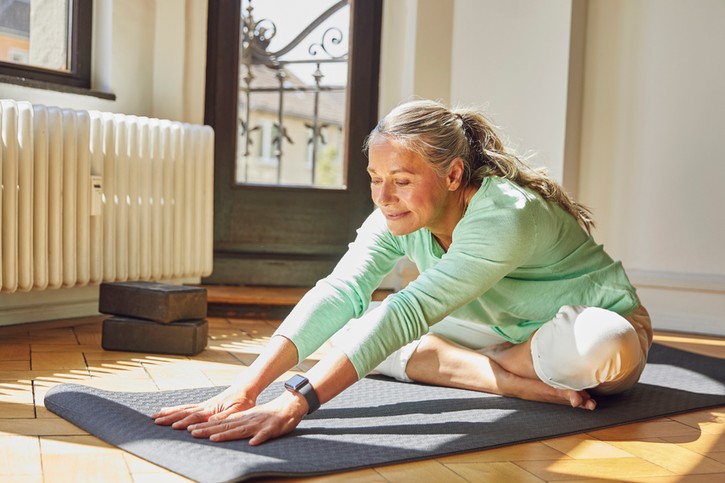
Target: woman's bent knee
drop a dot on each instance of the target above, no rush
(586, 348)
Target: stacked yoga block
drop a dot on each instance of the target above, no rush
(153, 317)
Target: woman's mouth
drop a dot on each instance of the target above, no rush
(396, 216)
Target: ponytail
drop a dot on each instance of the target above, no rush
(489, 157)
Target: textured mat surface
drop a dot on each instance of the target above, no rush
(379, 421)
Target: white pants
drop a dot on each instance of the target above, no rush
(580, 348)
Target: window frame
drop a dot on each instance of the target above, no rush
(79, 73)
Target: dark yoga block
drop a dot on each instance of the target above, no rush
(161, 302)
(185, 338)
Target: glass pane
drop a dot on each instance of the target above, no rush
(293, 77)
(35, 32)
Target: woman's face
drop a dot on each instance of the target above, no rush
(406, 188)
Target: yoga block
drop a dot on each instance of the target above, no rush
(185, 338)
(160, 302)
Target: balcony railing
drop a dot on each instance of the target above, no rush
(292, 99)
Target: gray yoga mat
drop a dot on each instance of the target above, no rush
(380, 421)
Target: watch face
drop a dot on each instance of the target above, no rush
(296, 382)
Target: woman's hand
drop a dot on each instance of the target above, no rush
(261, 423)
(221, 406)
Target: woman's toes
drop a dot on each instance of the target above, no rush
(585, 401)
(581, 399)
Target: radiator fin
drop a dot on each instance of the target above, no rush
(156, 217)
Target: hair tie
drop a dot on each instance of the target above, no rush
(475, 146)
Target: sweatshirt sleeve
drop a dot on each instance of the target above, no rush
(487, 245)
(344, 294)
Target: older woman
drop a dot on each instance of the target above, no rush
(514, 297)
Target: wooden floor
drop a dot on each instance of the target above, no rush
(36, 445)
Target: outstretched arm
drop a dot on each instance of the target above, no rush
(329, 377)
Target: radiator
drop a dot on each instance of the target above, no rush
(93, 196)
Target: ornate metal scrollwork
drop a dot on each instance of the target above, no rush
(333, 36)
(256, 37)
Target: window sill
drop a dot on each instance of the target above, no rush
(36, 84)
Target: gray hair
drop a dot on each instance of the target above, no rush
(440, 135)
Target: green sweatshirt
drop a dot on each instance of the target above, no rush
(515, 260)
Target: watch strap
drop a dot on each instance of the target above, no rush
(301, 385)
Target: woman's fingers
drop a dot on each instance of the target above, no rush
(259, 431)
(221, 415)
(193, 418)
(182, 416)
(260, 423)
(219, 407)
(171, 410)
(207, 430)
(224, 430)
(261, 437)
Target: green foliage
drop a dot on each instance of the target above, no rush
(329, 169)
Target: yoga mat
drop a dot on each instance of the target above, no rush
(379, 421)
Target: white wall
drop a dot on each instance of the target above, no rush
(414, 62)
(397, 65)
(152, 56)
(511, 58)
(653, 143)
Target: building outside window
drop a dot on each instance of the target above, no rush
(292, 91)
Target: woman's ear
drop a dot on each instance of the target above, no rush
(455, 175)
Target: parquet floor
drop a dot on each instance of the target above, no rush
(35, 445)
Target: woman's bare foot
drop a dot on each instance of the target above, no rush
(580, 399)
(538, 390)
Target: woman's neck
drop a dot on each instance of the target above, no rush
(456, 209)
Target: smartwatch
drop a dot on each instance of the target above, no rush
(302, 386)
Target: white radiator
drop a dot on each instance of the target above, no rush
(93, 196)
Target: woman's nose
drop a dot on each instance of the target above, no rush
(383, 194)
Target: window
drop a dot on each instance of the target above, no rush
(47, 41)
(293, 71)
(279, 76)
(273, 229)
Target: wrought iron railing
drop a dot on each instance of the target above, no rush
(265, 73)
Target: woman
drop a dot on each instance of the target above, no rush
(519, 299)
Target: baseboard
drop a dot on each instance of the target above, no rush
(691, 324)
(678, 280)
(683, 302)
(64, 303)
(23, 307)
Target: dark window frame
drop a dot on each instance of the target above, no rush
(79, 73)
